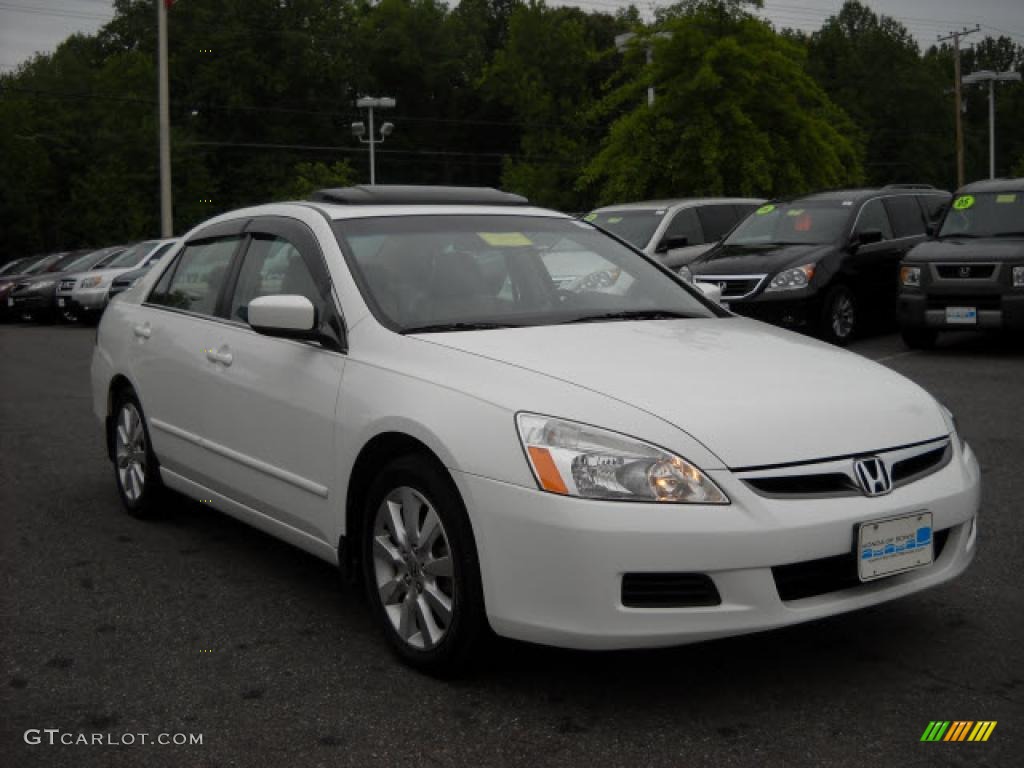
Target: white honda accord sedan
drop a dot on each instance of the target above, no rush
(394, 380)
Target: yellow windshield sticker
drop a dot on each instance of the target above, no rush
(765, 209)
(1006, 198)
(504, 239)
(794, 211)
(614, 219)
(963, 202)
(590, 217)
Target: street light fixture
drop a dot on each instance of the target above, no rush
(371, 103)
(990, 77)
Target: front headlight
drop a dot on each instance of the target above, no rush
(686, 274)
(953, 427)
(91, 282)
(43, 285)
(910, 277)
(792, 279)
(575, 459)
(1018, 277)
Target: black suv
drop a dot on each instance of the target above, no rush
(823, 262)
(971, 275)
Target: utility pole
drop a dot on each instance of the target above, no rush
(955, 37)
(166, 218)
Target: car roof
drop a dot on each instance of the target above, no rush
(398, 194)
(860, 194)
(994, 185)
(643, 205)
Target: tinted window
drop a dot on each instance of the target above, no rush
(873, 216)
(934, 206)
(197, 277)
(744, 209)
(985, 214)
(421, 271)
(905, 216)
(685, 224)
(635, 226)
(799, 222)
(272, 266)
(133, 256)
(9, 267)
(717, 220)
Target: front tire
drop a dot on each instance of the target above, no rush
(135, 467)
(839, 316)
(420, 566)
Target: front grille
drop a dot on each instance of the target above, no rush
(811, 578)
(965, 271)
(668, 590)
(831, 484)
(733, 286)
(66, 285)
(976, 301)
(910, 469)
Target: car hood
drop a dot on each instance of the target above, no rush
(753, 394)
(111, 273)
(736, 260)
(969, 249)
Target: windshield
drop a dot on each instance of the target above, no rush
(811, 223)
(133, 256)
(88, 261)
(44, 264)
(9, 267)
(633, 226)
(437, 273)
(985, 214)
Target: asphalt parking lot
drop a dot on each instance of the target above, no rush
(197, 624)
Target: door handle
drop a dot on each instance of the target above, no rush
(143, 331)
(222, 356)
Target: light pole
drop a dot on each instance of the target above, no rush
(370, 103)
(166, 216)
(990, 77)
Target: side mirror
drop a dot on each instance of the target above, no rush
(289, 317)
(671, 243)
(867, 237)
(711, 291)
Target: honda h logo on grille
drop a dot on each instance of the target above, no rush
(965, 271)
(873, 476)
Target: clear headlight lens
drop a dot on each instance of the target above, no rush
(575, 459)
(1018, 277)
(792, 279)
(686, 274)
(43, 285)
(910, 277)
(92, 282)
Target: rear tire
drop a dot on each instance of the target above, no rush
(919, 338)
(136, 471)
(420, 567)
(840, 320)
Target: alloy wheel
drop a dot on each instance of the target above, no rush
(130, 452)
(412, 563)
(842, 316)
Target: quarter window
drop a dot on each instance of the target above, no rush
(197, 277)
(905, 215)
(272, 266)
(873, 216)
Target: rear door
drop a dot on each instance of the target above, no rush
(270, 422)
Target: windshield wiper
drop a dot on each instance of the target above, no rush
(633, 314)
(446, 327)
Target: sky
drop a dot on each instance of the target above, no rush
(30, 26)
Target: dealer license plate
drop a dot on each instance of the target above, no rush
(885, 547)
(962, 315)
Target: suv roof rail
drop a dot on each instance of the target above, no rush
(909, 186)
(395, 194)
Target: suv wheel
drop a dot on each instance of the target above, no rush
(420, 566)
(135, 466)
(919, 338)
(839, 319)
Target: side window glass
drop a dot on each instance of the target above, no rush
(685, 224)
(905, 215)
(873, 216)
(717, 220)
(272, 266)
(197, 277)
(934, 206)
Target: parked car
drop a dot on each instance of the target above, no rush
(824, 263)
(390, 379)
(89, 294)
(36, 265)
(11, 267)
(971, 275)
(674, 231)
(35, 297)
(122, 283)
(66, 285)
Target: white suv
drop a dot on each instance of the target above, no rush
(391, 379)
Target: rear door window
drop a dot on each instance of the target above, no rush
(905, 216)
(873, 216)
(716, 220)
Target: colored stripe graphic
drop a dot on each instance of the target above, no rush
(935, 730)
(982, 730)
(958, 730)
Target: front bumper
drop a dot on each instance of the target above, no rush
(90, 299)
(552, 566)
(994, 311)
(32, 302)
